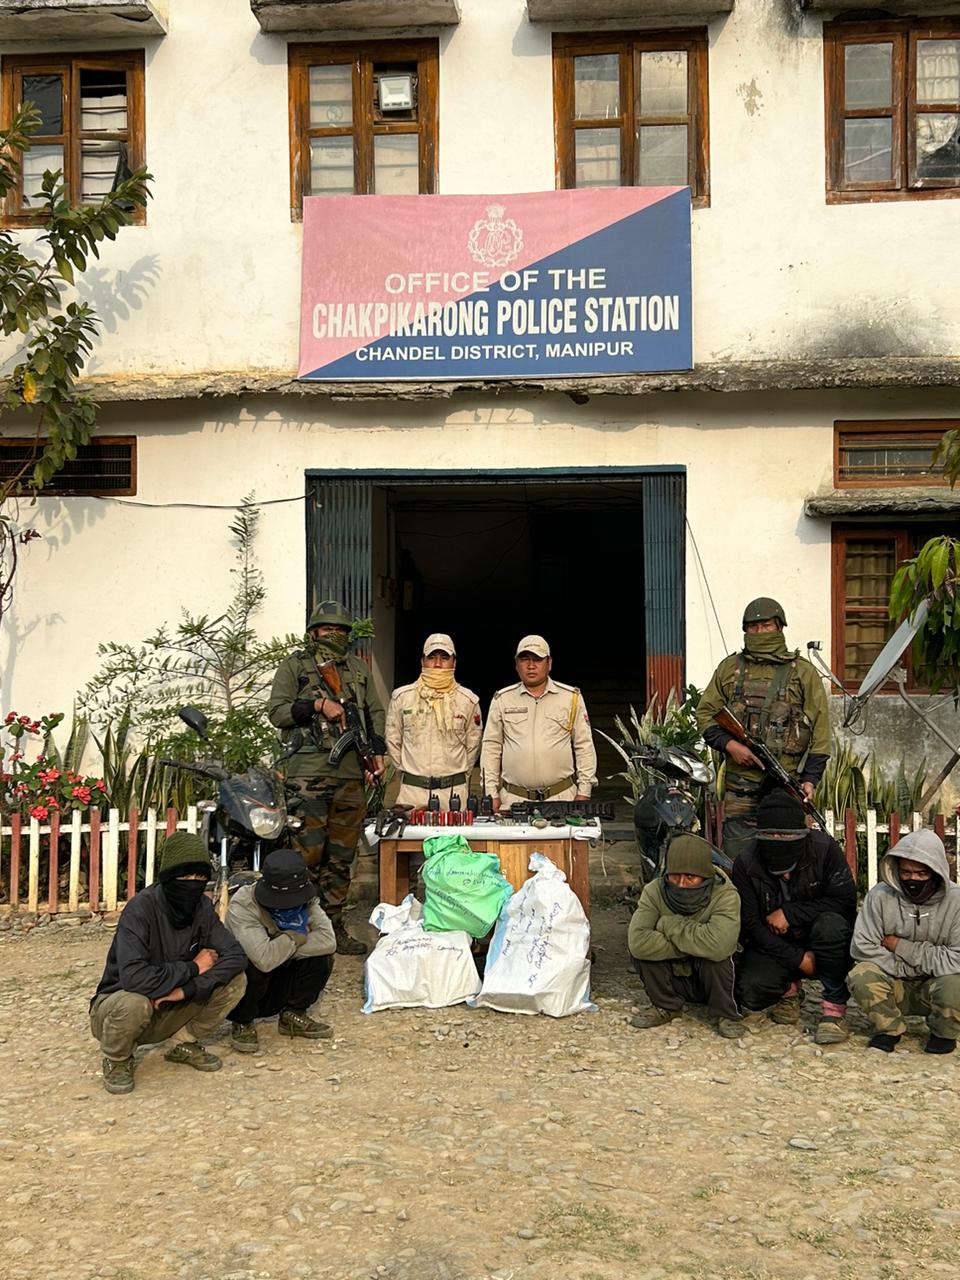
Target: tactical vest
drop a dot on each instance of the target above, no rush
(320, 731)
(764, 708)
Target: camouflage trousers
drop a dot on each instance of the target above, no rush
(332, 814)
(887, 1000)
(739, 817)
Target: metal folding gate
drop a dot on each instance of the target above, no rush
(340, 549)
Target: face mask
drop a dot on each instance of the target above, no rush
(919, 890)
(765, 644)
(780, 856)
(183, 899)
(687, 902)
(335, 647)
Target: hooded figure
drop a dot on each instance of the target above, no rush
(907, 946)
(682, 938)
(797, 907)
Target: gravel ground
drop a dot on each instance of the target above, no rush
(468, 1145)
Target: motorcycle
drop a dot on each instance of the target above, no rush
(668, 805)
(251, 815)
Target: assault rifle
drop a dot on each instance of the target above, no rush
(772, 767)
(353, 736)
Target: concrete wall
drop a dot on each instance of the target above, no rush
(212, 282)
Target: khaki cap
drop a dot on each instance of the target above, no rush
(533, 644)
(439, 641)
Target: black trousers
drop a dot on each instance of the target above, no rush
(762, 979)
(709, 983)
(294, 985)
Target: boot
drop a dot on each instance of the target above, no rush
(346, 945)
(654, 1017)
(786, 1012)
(731, 1028)
(293, 1022)
(118, 1075)
(939, 1044)
(192, 1054)
(831, 1030)
(885, 1043)
(243, 1037)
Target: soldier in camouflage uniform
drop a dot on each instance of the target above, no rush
(333, 802)
(779, 699)
(907, 945)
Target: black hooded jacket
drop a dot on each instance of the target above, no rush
(820, 882)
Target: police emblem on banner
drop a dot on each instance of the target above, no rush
(494, 240)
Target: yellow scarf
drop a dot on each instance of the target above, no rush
(437, 686)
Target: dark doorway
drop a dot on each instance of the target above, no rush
(489, 563)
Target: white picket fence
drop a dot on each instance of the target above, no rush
(90, 841)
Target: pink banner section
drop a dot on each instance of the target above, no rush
(369, 261)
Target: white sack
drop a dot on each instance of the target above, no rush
(410, 967)
(539, 958)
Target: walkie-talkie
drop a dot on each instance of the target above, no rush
(454, 805)
(433, 804)
(486, 801)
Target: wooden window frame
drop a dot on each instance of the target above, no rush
(51, 490)
(363, 55)
(629, 45)
(904, 35)
(69, 65)
(842, 536)
(892, 431)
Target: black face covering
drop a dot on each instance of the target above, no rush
(183, 899)
(920, 890)
(687, 902)
(780, 856)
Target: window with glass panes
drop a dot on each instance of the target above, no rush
(91, 124)
(893, 109)
(882, 454)
(865, 559)
(363, 119)
(631, 110)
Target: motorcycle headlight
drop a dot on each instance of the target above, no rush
(266, 823)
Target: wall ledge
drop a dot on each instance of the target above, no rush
(74, 19)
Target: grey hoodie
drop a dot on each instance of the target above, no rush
(929, 932)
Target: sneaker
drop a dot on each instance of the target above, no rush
(243, 1037)
(831, 1030)
(731, 1028)
(193, 1054)
(786, 1012)
(118, 1075)
(654, 1017)
(883, 1042)
(294, 1023)
(346, 945)
(939, 1044)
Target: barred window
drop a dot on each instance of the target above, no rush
(107, 465)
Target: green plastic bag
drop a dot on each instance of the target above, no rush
(464, 889)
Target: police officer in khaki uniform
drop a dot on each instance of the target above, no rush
(779, 699)
(333, 803)
(537, 744)
(433, 730)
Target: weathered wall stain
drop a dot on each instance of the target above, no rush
(752, 97)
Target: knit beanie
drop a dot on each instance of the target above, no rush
(183, 854)
(690, 855)
(779, 811)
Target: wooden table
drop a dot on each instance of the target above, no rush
(512, 845)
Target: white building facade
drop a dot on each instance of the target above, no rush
(791, 461)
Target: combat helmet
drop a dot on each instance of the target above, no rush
(762, 610)
(330, 613)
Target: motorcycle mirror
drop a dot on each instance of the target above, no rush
(194, 719)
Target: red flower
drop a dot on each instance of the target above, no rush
(81, 793)
(39, 812)
(100, 785)
(16, 755)
(11, 716)
(24, 720)
(47, 776)
(35, 727)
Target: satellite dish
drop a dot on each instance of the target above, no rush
(892, 652)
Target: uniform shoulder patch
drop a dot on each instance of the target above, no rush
(507, 688)
(567, 688)
(468, 694)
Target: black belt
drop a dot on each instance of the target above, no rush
(543, 794)
(433, 784)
